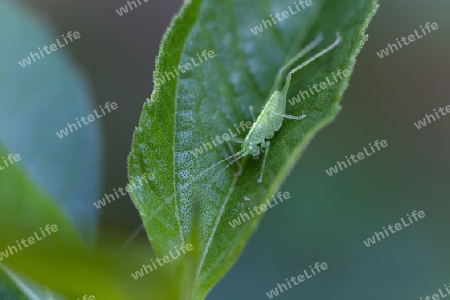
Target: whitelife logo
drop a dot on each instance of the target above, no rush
(91, 118)
(431, 118)
(263, 207)
(129, 188)
(53, 47)
(187, 67)
(281, 16)
(337, 76)
(165, 260)
(86, 297)
(411, 38)
(220, 139)
(124, 9)
(12, 159)
(438, 296)
(397, 226)
(300, 278)
(356, 158)
(31, 240)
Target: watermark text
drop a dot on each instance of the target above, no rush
(86, 120)
(281, 16)
(313, 271)
(165, 260)
(398, 226)
(11, 250)
(356, 158)
(391, 48)
(48, 50)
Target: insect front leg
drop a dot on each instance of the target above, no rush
(289, 116)
(266, 145)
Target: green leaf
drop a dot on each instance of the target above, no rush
(209, 99)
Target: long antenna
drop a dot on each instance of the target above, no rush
(317, 40)
(216, 164)
(226, 167)
(131, 237)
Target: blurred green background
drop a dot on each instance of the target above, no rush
(327, 218)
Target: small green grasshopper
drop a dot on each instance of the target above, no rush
(271, 117)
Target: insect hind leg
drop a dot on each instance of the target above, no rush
(311, 59)
(313, 44)
(236, 140)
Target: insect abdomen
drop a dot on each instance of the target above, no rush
(276, 104)
(267, 123)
